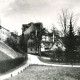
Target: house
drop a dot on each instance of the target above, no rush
(47, 41)
(15, 37)
(58, 44)
(4, 33)
(32, 45)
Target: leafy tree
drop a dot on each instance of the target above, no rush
(12, 43)
(35, 31)
(22, 43)
(38, 39)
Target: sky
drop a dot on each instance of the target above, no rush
(14, 13)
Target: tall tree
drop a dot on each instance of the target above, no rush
(70, 44)
(38, 39)
(68, 23)
(63, 20)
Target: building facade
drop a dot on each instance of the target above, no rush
(32, 45)
(4, 33)
(15, 37)
(47, 41)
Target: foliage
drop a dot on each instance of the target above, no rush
(64, 20)
(57, 55)
(12, 43)
(7, 65)
(22, 43)
(37, 39)
(70, 44)
(67, 23)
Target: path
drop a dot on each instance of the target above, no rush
(34, 60)
(41, 68)
(47, 72)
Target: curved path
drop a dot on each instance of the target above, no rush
(34, 60)
(47, 72)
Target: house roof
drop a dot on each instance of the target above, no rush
(46, 42)
(4, 28)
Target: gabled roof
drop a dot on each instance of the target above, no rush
(4, 28)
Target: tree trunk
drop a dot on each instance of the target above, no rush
(39, 50)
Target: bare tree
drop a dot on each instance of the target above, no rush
(64, 20)
(68, 23)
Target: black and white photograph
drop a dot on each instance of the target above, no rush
(39, 39)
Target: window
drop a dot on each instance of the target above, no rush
(3, 32)
(31, 49)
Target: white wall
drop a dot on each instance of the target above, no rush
(4, 34)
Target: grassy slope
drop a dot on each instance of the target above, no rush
(6, 49)
(3, 56)
(8, 63)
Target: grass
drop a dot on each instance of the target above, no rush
(48, 73)
(3, 56)
(45, 60)
(10, 64)
(6, 62)
(6, 49)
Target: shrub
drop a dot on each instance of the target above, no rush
(57, 55)
(7, 65)
(12, 43)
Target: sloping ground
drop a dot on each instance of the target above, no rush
(43, 72)
(5, 49)
(11, 64)
(3, 56)
(9, 59)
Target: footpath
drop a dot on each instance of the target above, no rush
(32, 60)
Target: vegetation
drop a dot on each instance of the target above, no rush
(70, 45)
(10, 64)
(49, 73)
(22, 43)
(38, 39)
(57, 55)
(12, 43)
(71, 53)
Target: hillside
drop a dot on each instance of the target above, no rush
(7, 52)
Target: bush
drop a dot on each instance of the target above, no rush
(12, 43)
(57, 55)
(7, 65)
(45, 54)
